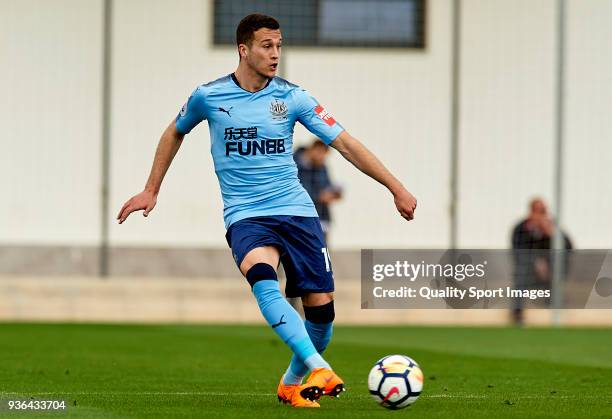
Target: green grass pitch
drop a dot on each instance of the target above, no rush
(125, 371)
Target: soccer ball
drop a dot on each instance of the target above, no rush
(396, 381)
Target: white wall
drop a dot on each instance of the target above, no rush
(50, 105)
(507, 110)
(396, 101)
(588, 153)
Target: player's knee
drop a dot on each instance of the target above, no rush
(320, 314)
(260, 272)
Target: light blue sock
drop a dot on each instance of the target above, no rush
(320, 335)
(286, 322)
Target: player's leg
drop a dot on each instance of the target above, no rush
(319, 316)
(309, 275)
(264, 254)
(259, 267)
(319, 311)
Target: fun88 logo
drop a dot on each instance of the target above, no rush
(244, 141)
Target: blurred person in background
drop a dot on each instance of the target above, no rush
(314, 176)
(532, 238)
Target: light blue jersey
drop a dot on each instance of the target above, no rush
(251, 143)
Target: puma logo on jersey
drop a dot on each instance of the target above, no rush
(226, 111)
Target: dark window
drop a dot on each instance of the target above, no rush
(354, 23)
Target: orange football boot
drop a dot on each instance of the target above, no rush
(291, 393)
(322, 381)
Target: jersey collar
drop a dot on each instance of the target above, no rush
(238, 84)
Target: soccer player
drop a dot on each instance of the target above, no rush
(270, 219)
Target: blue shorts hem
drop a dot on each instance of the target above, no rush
(255, 246)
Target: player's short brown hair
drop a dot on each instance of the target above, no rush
(251, 23)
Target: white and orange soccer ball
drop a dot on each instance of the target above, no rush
(395, 381)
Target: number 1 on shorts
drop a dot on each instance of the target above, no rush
(327, 259)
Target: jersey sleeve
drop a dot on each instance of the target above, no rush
(315, 118)
(193, 111)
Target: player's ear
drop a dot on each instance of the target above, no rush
(242, 50)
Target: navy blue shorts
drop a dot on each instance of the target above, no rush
(302, 247)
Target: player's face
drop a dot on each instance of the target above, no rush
(264, 53)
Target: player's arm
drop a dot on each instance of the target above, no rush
(192, 113)
(363, 159)
(168, 146)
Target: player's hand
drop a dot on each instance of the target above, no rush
(405, 203)
(145, 200)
